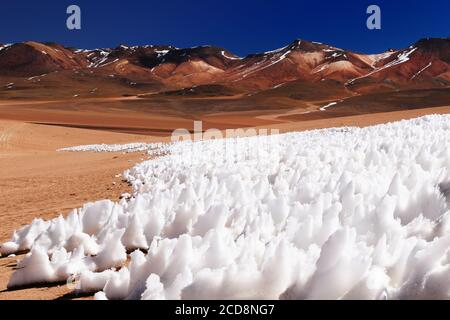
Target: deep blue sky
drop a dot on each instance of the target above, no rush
(241, 26)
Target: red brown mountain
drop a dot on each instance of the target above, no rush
(33, 58)
(301, 60)
(426, 64)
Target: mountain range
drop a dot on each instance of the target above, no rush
(300, 71)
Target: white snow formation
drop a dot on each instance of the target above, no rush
(151, 148)
(348, 213)
(325, 107)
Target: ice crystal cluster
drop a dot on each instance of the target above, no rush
(350, 213)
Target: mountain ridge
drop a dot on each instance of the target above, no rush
(157, 68)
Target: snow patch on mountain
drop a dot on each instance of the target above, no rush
(421, 70)
(401, 58)
(228, 57)
(4, 47)
(325, 107)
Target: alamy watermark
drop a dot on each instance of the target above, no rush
(374, 20)
(73, 22)
(227, 146)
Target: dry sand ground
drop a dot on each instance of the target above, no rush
(38, 181)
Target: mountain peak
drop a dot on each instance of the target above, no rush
(432, 42)
(310, 46)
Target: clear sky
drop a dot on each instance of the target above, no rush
(240, 26)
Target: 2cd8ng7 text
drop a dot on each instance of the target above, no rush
(246, 309)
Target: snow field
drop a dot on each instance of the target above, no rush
(344, 213)
(130, 147)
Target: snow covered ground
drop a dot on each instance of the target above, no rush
(130, 147)
(345, 213)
